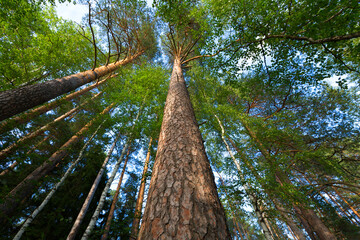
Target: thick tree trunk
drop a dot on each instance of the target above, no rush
(26, 117)
(91, 193)
(5, 152)
(26, 187)
(115, 199)
(182, 202)
(21, 99)
(140, 198)
(53, 190)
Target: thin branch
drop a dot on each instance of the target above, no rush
(93, 37)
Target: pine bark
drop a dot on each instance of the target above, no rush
(91, 193)
(115, 200)
(26, 187)
(182, 202)
(140, 198)
(26, 117)
(18, 100)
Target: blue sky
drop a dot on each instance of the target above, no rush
(74, 12)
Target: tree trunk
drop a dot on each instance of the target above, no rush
(101, 203)
(5, 152)
(26, 117)
(21, 99)
(115, 199)
(26, 187)
(254, 202)
(307, 227)
(91, 194)
(290, 222)
(349, 205)
(182, 202)
(53, 190)
(320, 228)
(140, 198)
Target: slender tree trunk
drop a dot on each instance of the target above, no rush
(259, 214)
(21, 99)
(101, 203)
(290, 222)
(91, 193)
(5, 152)
(350, 206)
(38, 144)
(53, 190)
(334, 200)
(182, 202)
(26, 187)
(140, 198)
(115, 199)
(276, 202)
(26, 117)
(231, 206)
(320, 228)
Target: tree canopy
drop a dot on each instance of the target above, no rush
(274, 86)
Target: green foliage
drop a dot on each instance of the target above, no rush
(265, 82)
(46, 47)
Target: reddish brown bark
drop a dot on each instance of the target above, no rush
(26, 117)
(140, 198)
(18, 100)
(350, 206)
(182, 202)
(115, 199)
(10, 149)
(26, 187)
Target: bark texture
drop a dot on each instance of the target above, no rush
(26, 117)
(21, 99)
(26, 187)
(182, 202)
